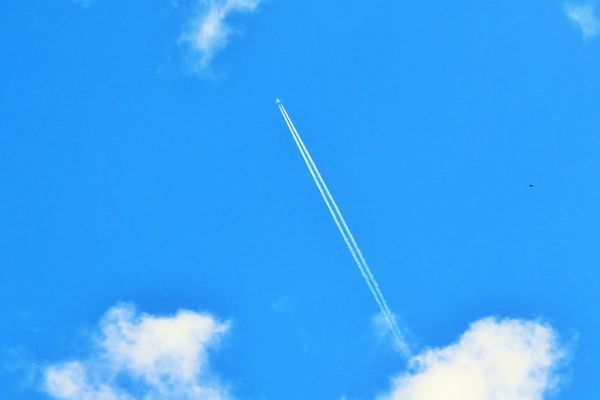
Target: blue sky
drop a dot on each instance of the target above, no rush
(144, 163)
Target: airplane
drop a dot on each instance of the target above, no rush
(277, 101)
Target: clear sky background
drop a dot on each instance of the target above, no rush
(132, 172)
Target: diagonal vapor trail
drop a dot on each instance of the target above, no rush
(346, 234)
(344, 229)
(336, 214)
(331, 206)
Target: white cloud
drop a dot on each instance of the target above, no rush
(493, 360)
(71, 381)
(208, 31)
(143, 356)
(585, 17)
(140, 356)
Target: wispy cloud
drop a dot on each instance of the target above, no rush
(494, 359)
(584, 15)
(208, 31)
(139, 356)
(384, 335)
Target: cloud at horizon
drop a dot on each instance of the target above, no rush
(138, 355)
(208, 32)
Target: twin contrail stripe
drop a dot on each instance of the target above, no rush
(323, 190)
(344, 229)
(346, 234)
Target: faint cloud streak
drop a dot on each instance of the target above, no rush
(584, 16)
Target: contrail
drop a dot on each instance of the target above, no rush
(337, 215)
(332, 207)
(344, 229)
(346, 234)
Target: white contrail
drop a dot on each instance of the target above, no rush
(363, 266)
(322, 189)
(337, 216)
(346, 233)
